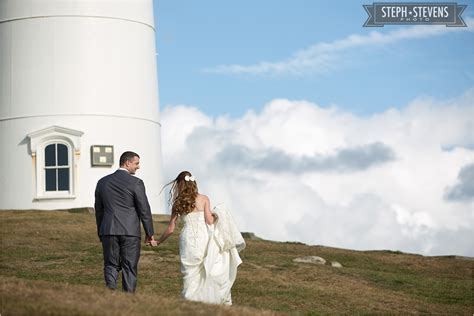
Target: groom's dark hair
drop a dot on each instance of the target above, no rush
(126, 156)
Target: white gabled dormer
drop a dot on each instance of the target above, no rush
(54, 150)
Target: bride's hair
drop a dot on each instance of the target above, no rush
(183, 193)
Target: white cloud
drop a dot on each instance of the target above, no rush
(282, 172)
(464, 189)
(180, 122)
(323, 57)
(275, 160)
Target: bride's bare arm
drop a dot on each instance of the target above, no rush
(207, 211)
(169, 230)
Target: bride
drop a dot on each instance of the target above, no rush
(208, 244)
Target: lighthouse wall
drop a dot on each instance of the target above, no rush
(78, 73)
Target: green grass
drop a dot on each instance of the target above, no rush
(51, 264)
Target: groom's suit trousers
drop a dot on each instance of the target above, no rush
(121, 253)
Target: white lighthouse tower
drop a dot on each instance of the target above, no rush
(78, 86)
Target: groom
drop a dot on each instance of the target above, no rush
(120, 205)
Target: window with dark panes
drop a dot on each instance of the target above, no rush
(56, 165)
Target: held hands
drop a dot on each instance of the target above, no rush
(150, 241)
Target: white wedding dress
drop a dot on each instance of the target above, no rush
(209, 256)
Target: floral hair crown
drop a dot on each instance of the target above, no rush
(189, 178)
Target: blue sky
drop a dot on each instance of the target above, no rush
(291, 110)
(196, 36)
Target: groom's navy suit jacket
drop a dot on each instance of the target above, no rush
(120, 205)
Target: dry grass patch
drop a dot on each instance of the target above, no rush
(57, 269)
(21, 297)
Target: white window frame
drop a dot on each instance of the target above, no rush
(56, 167)
(38, 142)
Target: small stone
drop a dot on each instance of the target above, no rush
(336, 264)
(310, 259)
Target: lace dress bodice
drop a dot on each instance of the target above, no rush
(194, 228)
(193, 217)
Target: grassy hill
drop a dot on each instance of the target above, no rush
(51, 263)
